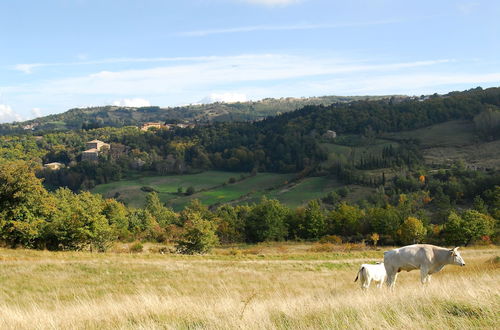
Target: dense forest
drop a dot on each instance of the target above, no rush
(443, 203)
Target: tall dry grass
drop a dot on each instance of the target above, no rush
(43, 290)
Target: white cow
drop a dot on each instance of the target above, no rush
(368, 273)
(428, 258)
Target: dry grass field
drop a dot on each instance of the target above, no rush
(287, 286)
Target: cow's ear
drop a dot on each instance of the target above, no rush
(455, 249)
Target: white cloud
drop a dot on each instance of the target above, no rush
(133, 103)
(8, 115)
(251, 76)
(272, 2)
(294, 27)
(36, 112)
(225, 98)
(28, 68)
(208, 74)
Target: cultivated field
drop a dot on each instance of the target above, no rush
(285, 286)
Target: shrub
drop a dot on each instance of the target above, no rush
(190, 190)
(468, 227)
(411, 230)
(333, 239)
(199, 235)
(148, 189)
(136, 247)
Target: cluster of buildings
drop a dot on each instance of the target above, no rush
(147, 126)
(94, 147)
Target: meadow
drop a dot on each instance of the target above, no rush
(266, 286)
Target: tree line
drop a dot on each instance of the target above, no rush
(32, 217)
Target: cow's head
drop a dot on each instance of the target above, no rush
(456, 257)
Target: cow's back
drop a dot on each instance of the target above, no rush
(409, 257)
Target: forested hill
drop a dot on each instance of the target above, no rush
(388, 115)
(115, 116)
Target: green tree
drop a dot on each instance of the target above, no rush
(384, 221)
(267, 221)
(470, 226)
(163, 215)
(411, 231)
(199, 235)
(230, 225)
(479, 205)
(79, 222)
(314, 220)
(141, 223)
(345, 220)
(25, 205)
(117, 215)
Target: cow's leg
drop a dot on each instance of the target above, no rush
(379, 284)
(391, 278)
(424, 273)
(366, 284)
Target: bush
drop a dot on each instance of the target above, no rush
(333, 239)
(411, 231)
(468, 227)
(148, 189)
(199, 235)
(190, 190)
(136, 247)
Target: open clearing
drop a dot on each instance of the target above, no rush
(253, 287)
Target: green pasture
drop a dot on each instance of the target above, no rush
(250, 186)
(300, 193)
(211, 187)
(129, 191)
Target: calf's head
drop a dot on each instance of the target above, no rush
(456, 258)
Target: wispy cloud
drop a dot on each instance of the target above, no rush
(190, 81)
(28, 68)
(216, 71)
(250, 76)
(258, 28)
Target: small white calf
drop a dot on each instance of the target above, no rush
(368, 273)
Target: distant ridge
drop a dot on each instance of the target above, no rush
(119, 116)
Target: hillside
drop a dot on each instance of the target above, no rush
(115, 116)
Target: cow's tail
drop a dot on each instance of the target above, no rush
(359, 272)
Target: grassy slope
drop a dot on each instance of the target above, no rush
(209, 187)
(453, 141)
(282, 286)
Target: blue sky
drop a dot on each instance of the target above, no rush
(60, 54)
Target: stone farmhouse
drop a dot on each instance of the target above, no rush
(93, 149)
(329, 134)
